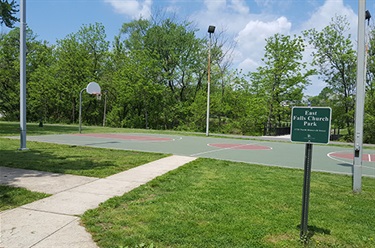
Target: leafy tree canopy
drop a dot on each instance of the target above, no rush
(7, 12)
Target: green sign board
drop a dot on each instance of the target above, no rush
(310, 124)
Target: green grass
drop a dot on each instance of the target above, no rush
(13, 129)
(83, 161)
(207, 203)
(11, 197)
(210, 203)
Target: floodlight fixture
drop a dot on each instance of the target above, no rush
(211, 29)
(368, 17)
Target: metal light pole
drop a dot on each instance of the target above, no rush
(211, 30)
(360, 99)
(23, 76)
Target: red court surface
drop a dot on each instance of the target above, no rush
(125, 137)
(350, 156)
(241, 146)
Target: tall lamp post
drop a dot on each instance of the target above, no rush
(211, 30)
(23, 76)
(360, 97)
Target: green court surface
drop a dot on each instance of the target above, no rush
(325, 158)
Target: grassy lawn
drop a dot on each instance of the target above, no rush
(211, 203)
(83, 161)
(13, 129)
(206, 203)
(11, 197)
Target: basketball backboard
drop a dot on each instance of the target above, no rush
(93, 88)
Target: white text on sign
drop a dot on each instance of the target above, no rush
(310, 119)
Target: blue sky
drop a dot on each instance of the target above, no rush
(246, 22)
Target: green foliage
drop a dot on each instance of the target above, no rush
(281, 81)
(79, 60)
(369, 124)
(8, 11)
(10, 68)
(9, 78)
(369, 129)
(336, 60)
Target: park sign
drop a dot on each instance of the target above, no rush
(310, 124)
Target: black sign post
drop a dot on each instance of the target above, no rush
(309, 125)
(306, 190)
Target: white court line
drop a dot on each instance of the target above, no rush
(149, 141)
(339, 160)
(350, 163)
(223, 149)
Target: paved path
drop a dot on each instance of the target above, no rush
(54, 221)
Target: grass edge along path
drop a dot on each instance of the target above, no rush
(212, 203)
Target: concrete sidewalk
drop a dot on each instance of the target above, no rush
(53, 221)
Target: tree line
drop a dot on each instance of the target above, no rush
(153, 75)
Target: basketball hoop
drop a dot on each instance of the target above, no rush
(92, 89)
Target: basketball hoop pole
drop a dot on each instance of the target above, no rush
(93, 89)
(105, 106)
(80, 110)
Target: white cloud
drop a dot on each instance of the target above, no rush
(251, 40)
(132, 8)
(249, 30)
(248, 64)
(324, 14)
(215, 5)
(239, 6)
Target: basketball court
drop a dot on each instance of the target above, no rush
(325, 158)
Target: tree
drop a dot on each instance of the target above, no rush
(80, 58)
(336, 61)
(282, 79)
(7, 12)
(9, 76)
(10, 69)
(171, 60)
(369, 121)
(42, 83)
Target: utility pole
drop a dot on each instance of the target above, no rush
(211, 30)
(360, 99)
(23, 76)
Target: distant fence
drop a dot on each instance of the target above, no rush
(282, 129)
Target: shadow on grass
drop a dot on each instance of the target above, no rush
(50, 158)
(311, 231)
(13, 129)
